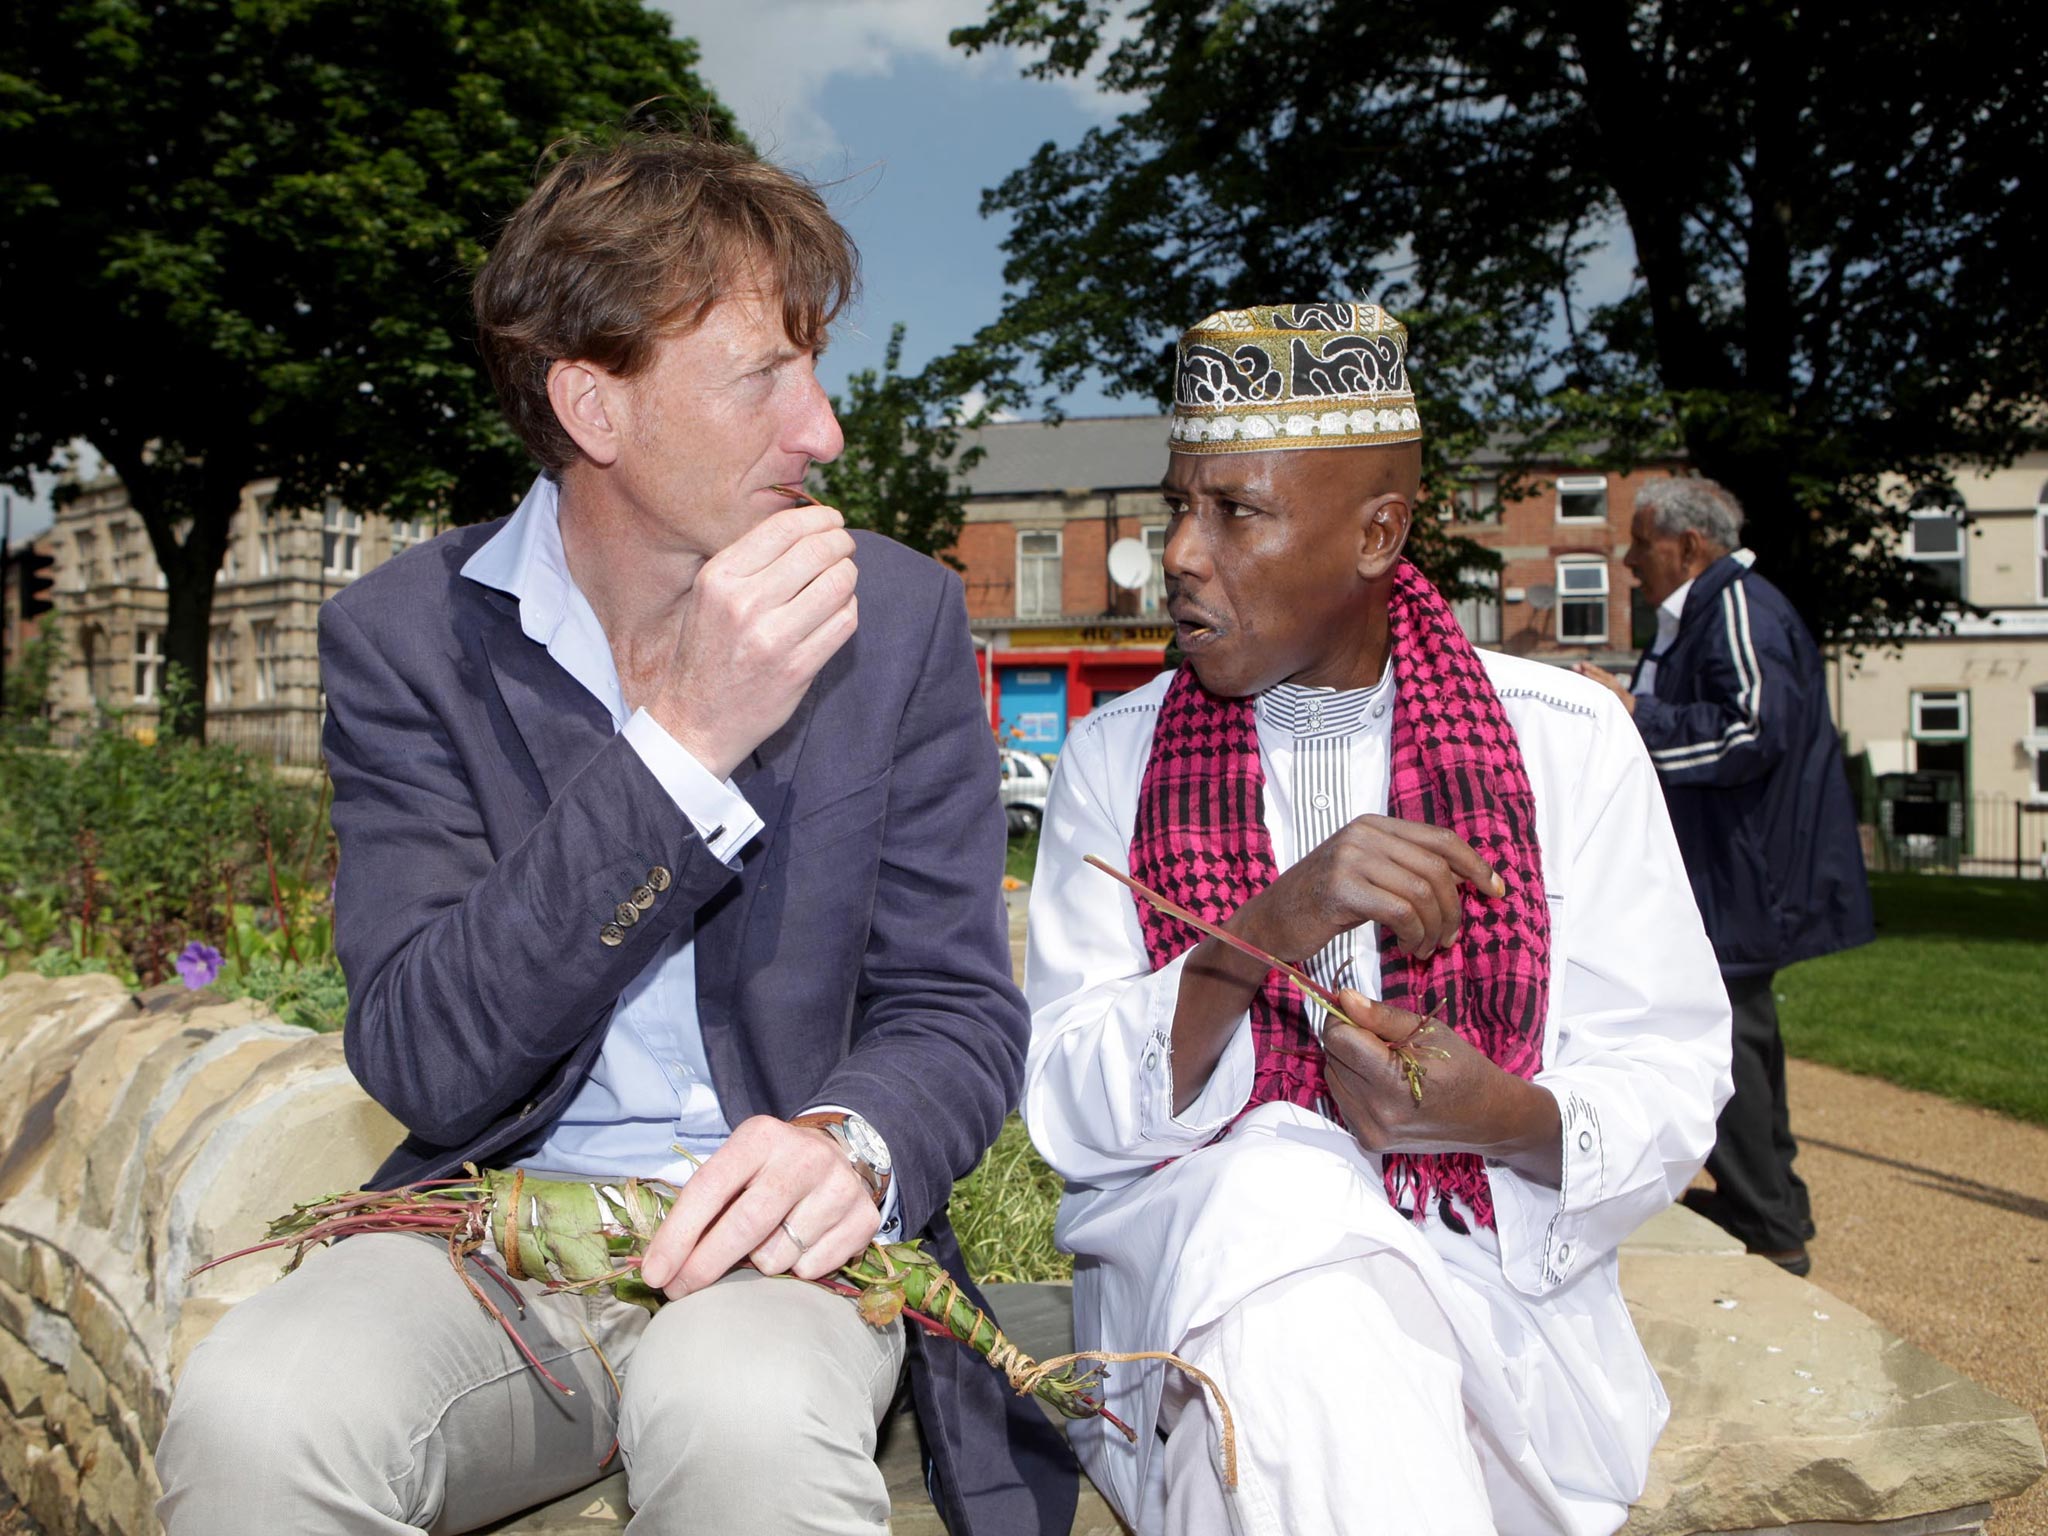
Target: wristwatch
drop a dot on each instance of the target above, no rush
(862, 1144)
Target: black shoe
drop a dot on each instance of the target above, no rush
(1794, 1261)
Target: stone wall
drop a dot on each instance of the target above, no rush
(138, 1138)
(133, 1143)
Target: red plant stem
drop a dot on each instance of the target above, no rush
(799, 493)
(291, 947)
(1273, 962)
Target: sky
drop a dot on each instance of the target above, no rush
(868, 96)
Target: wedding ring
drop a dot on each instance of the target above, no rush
(801, 1246)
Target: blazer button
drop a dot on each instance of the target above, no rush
(658, 877)
(625, 914)
(611, 935)
(643, 897)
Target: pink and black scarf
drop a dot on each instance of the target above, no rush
(1201, 839)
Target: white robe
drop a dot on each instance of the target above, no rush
(1561, 1403)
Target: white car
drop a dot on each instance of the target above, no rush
(1026, 781)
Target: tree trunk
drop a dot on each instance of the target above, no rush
(204, 496)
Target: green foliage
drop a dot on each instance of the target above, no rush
(1949, 999)
(903, 473)
(1832, 213)
(1003, 1213)
(125, 851)
(313, 996)
(30, 678)
(247, 226)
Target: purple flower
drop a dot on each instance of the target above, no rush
(198, 965)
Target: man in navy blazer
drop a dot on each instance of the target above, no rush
(669, 831)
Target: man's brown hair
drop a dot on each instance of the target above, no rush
(622, 244)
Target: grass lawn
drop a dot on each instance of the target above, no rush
(1023, 855)
(1952, 998)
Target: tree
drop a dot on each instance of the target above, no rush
(1835, 212)
(238, 235)
(903, 473)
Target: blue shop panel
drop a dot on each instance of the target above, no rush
(1034, 707)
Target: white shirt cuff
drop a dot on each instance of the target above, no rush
(1222, 1098)
(718, 811)
(1541, 1229)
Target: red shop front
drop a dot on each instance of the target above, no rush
(1038, 690)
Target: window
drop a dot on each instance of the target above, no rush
(1038, 573)
(341, 540)
(2041, 554)
(1155, 583)
(2041, 712)
(121, 540)
(1582, 499)
(230, 562)
(220, 665)
(406, 532)
(149, 665)
(88, 562)
(1941, 716)
(1936, 539)
(1478, 502)
(263, 635)
(1479, 615)
(1582, 600)
(266, 536)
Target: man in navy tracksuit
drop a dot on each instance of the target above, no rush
(1732, 702)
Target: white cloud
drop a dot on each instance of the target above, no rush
(770, 59)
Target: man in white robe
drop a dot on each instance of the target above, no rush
(1461, 1364)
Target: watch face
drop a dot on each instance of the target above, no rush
(866, 1143)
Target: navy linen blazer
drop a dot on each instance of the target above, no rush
(491, 822)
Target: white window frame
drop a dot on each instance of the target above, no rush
(220, 665)
(341, 541)
(1583, 598)
(266, 535)
(1154, 597)
(149, 665)
(1582, 485)
(1923, 515)
(1479, 616)
(408, 531)
(2041, 552)
(1476, 503)
(263, 642)
(1921, 698)
(1032, 598)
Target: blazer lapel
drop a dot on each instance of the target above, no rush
(561, 722)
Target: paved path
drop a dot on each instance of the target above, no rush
(1933, 1219)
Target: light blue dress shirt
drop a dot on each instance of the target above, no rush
(649, 1090)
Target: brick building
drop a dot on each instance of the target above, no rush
(1058, 636)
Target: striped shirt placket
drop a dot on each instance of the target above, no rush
(1323, 723)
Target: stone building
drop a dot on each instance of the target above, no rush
(1965, 709)
(263, 684)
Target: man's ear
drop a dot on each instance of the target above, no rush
(1387, 519)
(588, 403)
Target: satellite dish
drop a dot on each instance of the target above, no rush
(1129, 566)
(1542, 595)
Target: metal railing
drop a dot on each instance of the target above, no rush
(1928, 831)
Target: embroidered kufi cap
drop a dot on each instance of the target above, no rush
(1293, 376)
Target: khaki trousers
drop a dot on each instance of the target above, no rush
(367, 1392)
